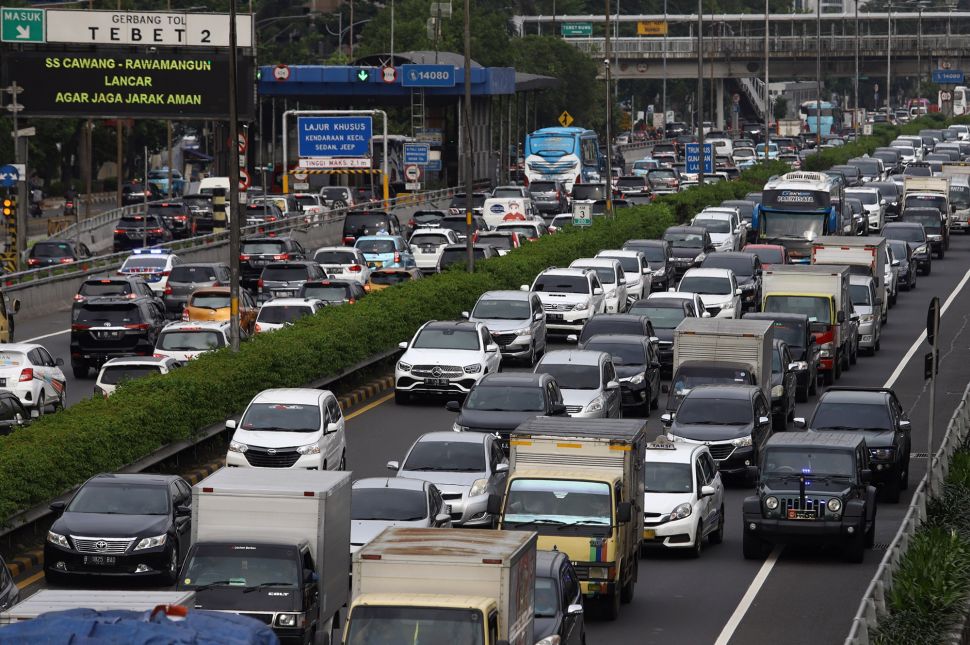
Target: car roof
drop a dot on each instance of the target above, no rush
(506, 294)
(516, 379)
(723, 391)
(399, 483)
(709, 272)
(136, 360)
(816, 439)
(451, 324)
(548, 563)
(157, 479)
(197, 325)
(575, 356)
(290, 395)
(856, 395)
(674, 452)
(578, 271)
(700, 230)
(18, 347)
(619, 253)
(290, 302)
(347, 249)
(594, 262)
(642, 242)
(621, 339)
(732, 254)
(661, 302)
(453, 437)
(202, 264)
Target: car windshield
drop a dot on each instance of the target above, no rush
(281, 417)
(250, 565)
(446, 456)
(365, 223)
(904, 233)
(661, 317)
(489, 309)
(263, 248)
(282, 314)
(210, 300)
(667, 477)
(390, 277)
(114, 374)
(770, 255)
(498, 240)
(843, 416)
(51, 250)
(388, 504)
(685, 240)
(105, 288)
(505, 398)
(572, 376)
(622, 353)
(306, 201)
(195, 340)
(864, 196)
(561, 501)
(448, 338)
(586, 192)
(189, 274)
(869, 168)
(630, 264)
(715, 411)
(285, 273)
(806, 461)
(385, 625)
(108, 315)
(605, 274)
(524, 230)
(918, 171)
(860, 295)
(742, 266)
(713, 225)
(816, 308)
(330, 293)
(501, 193)
(653, 253)
(335, 257)
(900, 249)
(631, 182)
(551, 283)
(689, 377)
(451, 256)
(705, 285)
(120, 498)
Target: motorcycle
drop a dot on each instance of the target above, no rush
(70, 208)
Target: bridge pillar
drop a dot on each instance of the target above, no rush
(719, 101)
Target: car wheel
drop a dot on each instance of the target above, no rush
(718, 536)
(892, 491)
(854, 355)
(905, 478)
(530, 359)
(401, 398)
(813, 384)
(41, 403)
(647, 404)
(343, 461)
(892, 298)
(752, 547)
(878, 344)
(939, 253)
(172, 570)
(929, 267)
(655, 403)
(837, 366)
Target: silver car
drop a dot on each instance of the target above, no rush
(379, 502)
(867, 305)
(467, 467)
(516, 321)
(588, 382)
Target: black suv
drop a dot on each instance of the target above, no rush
(122, 286)
(200, 206)
(689, 245)
(258, 251)
(53, 252)
(176, 215)
(186, 278)
(876, 414)
(130, 232)
(361, 223)
(814, 488)
(657, 253)
(108, 327)
(796, 331)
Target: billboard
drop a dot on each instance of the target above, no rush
(116, 83)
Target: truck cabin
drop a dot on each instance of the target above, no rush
(564, 503)
(797, 208)
(382, 619)
(694, 373)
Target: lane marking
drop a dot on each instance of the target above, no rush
(370, 406)
(26, 582)
(759, 580)
(50, 335)
(748, 598)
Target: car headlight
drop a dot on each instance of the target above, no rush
(595, 405)
(866, 318)
(920, 250)
(150, 542)
(525, 331)
(457, 427)
(600, 573)
(58, 539)
(288, 620)
(479, 487)
(882, 454)
(404, 367)
(834, 504)
(581, 306)
(550, 640)
(235, 446)
(473, 369)
(682, 511)
(777, 391)
(700, 258)
(742, 442)
(771, 503)
(309, 449)
(636, 379)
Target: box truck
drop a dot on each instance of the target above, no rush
(865, 254)
(48, 600)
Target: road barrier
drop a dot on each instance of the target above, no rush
(873, 608)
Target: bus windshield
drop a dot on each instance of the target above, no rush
(550, 144)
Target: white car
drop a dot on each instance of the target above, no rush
(185, 341)
(343, 263)
(445, 357)
(30, 372)
(130, 368)
(427, 245)
(694, 299)
(153, 265)
(569, 297)
(725, 228)
(636, 268)
(683, 496)
(872, 203)
(289, 428)
(280, 312)
(718, 289)
(909, 151)
(312, 206)
(613, 279)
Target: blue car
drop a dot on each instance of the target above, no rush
(385, 251)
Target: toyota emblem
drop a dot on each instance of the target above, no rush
(436, 371)
(101, 545)
(272, 451)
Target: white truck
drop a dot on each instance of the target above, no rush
(867, 254)
(927, 192)
(272, 544)
(789, 127)
(423, 585)
(48, 600)
(720, 350)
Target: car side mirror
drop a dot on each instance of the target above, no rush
(183, 511)
(646, 271)
(331, 428)
(393, 465)
(895, 263)
(854, 316)
(491, 348)
(453, 406)
(58, 506)
(402, 345)
(230, 424)
(494, 505)
(667, 418)
(624, 512)
(524, 287)
(737, 292)
(442, 518)
(597, 291)
(557, 409)
(799, 422)
(706, 314)
(613, 385)
(798, 366)
(465, 315)
(574, 610)
(707, 491)
(764, 421)
(572, 338)
(840, 317)
(59, 361)
(905, 425)
(502, 468)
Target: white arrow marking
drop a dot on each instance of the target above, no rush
(23, 32)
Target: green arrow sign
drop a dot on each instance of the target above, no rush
(363, 75)
(22, 25)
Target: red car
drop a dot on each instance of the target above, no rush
(769, 254)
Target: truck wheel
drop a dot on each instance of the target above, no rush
(939, 253)
(611, 606)
(752, 547)
(626, 593)
(828, 378)
(854, 549)
(813, 384)
(837, 366)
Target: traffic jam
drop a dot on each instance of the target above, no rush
(534, 511)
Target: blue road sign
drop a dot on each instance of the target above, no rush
(693, 160)
(334, 136)
(8, 176)
(433, 165)
(427, 76)
(947, 76)
(416, 153)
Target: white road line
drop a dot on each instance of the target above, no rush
(50, 335)
(759, 580)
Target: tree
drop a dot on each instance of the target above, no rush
(780, 108)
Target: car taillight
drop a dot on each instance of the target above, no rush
(168, 290)
(271, 218)
(351, 301)
(259, 284)
(32, 262)
(154, 230)
(79, 327)
(66, 260)
(158, 355)
(181, 218)
(355, 268)
(185, 315)
(258, 327)
(216, 284)
(139, 326)
(282, 256)
(348, 240)
(165, 274)
(119, 231)
(243, 258)
(397, 257)
(26, 374)
(411, 223)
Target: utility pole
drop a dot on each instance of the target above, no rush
(467, 133)
(889, 59)
(608, 188)
(700, 92)
(855, 119)
(234, 214)
(664, 101)
(767, 90)
(818, 73)
(144, 194)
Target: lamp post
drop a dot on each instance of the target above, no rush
(609, 116)
(467, 134)
(889, 59)
(664, 101)
(919, 50)
(234, 214)
(767, 90)
(700, 92)
(818, 73)
(855, 114)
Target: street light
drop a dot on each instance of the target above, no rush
(666, 28)
(889, 59)
(700, 92)
(818, 73)
(767, 90)
(855, 116)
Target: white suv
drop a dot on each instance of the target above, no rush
(613, 279)
(427, 245)
(637, 271)
(343, 263)
(445, 358)
(724, 227)
(718, 289)
(570, 297)
(289, 428)
(185, 341)
(872, 203)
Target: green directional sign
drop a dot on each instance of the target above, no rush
(22, 25)
(577, 29)
(363, 75)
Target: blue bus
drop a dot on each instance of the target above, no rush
(568, 155)
(796, 209)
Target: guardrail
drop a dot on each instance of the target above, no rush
(872, 608)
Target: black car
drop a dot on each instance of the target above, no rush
(265, 215)
(796, 331)
(104, 328)
(13, 415)
(747, 271)
(852, 175)
(615, 324)
(426, 219)
(200, 206)
(903, 253)
(454, 254)
(122, 286)
(784, 383)
(138, 231)
(54, 252)
(915, 236)
(876, 414)
(186, 278)
(499, 402)
(258, 251)
(689, 245)
(137, 193)
(733, 420)
(549, 196)
(664, 314)
(675, 129)
(121, 526)
(458, 224)
(657, 253)
(813, 489)
(176, 215)
(934, 223)
(558, 600)
(889, 191)
(637, 362)
(9, 591)
(361, 223)
(333, 292)
(285, 279)
(459, 203)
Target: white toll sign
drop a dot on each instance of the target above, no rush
(412, 173)
(146, 28)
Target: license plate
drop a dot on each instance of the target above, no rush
(284, 294)
(332, 270)
(437, 382)
(649, 534)
(375, 264)
(259, 263)
(101, 560)
(554, 317)
(801, 515)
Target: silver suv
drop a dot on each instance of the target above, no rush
(588, 382)
(515, 319)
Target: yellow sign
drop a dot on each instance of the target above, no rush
(652, 28)
(565, 119)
